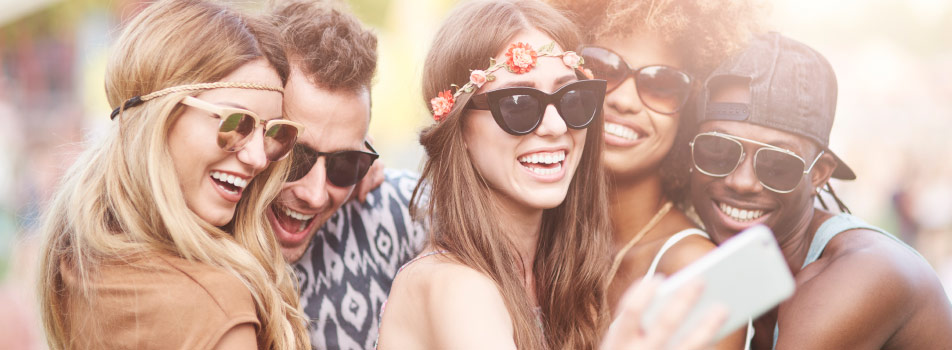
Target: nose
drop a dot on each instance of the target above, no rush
(312, 188)
(253, 153)
(743, 179)
(552, 123)
(624, 99)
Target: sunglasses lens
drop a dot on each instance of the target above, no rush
(278, 140)
(778, 170)
(520, 113)
(716, 155)
(234, 131)
(663, 89)
(605, 65)
(302, 160)
(348, 167)
(579, 106)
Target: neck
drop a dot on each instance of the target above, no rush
(795, 243)
(525, 224)
(633, 203)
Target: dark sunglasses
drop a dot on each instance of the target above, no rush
(519, 110)
(661, 88)
(779, 170)
(344, 168)
(237, 125)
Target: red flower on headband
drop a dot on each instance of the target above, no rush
(520, 57)
(442, 104)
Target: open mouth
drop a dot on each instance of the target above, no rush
(290, 220)
(229, 183)
(741, 215)
(543, 163)
(622, 131)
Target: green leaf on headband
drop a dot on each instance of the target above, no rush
(468, 89)
(490, 77)
(547, 48)
(492, 62)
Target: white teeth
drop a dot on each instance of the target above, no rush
(234, 180)
(296, 215)
(740, 214)
(621, 131)
(543, 158)
(546, 171)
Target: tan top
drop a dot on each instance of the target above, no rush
(155, 302)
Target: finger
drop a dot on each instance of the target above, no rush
(675, 311)
(702, 336)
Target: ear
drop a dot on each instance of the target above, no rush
(823, 170)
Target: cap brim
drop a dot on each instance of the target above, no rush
(842, 171)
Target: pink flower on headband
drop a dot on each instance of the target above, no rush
(587, 73)
(571, 59)
(442, 105)
(520, 58)
(478, 78)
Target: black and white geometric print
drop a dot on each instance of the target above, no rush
(347, 271)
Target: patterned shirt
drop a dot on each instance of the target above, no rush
(346, 272)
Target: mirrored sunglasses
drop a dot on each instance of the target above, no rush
(237, 125)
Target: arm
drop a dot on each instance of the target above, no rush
(681, 255)
(466, 311)
(856, 301)
(240, 337)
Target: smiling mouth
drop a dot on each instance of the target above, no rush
(622, 131)
(229, 183)
(290, 220)
(740, 215)
(543, 163)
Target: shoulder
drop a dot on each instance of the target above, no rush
(862, 289)
(179, 303)
(685, 251)
(447, 295)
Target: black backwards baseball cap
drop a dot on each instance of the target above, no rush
(792, 89)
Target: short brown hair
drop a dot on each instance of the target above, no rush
(330, 45)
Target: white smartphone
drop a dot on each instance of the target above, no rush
(747, 274)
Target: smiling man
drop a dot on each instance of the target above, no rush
(345, 253)
(760, 156)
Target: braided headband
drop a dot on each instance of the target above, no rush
(520, 58)
(138, 100)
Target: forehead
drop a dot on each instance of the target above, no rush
(782, 139)
(548, 74)
(642, 49)
(333, 120)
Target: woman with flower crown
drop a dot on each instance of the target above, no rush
(519, 229)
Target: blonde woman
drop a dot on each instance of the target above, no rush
(519, 230)
(156, 238)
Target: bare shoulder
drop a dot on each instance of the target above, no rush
(439, 303)
(685, 252)
(862, 290)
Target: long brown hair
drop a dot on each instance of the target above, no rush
(122, 197)
(570, 261)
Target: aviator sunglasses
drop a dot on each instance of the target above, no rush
(237, 125)
(779, 170)
(519, 110)
(344, 168)
(662, 89)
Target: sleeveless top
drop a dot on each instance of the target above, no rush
(154, 301)
(674, 239)
(829, 229)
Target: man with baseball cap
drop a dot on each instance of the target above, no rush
(760, 156)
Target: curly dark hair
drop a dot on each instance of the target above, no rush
(702, 33)
(334, 50)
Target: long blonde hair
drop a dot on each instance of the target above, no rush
(571, 257)
(122, 197)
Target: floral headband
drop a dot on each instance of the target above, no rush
(520, 59)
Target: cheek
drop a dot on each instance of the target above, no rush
(488, 146)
